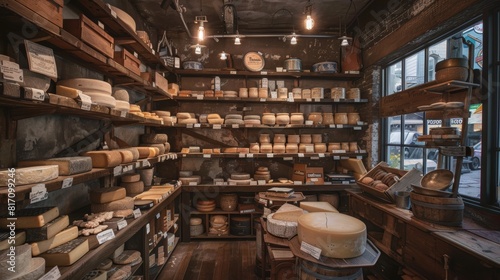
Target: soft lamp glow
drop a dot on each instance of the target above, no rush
(309, 22)
(344, 43)
(201, 32)
(197, 50)
(237, 41)
(223, 56)
(293, 41)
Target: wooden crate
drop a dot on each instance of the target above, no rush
(406, 179)
(128, 60)
(51, 10)
(161, 82)
(91, 34)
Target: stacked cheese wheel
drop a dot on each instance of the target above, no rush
(251, 120)
(111, 199)
(166, 117)
(186, 177)
(205, 205)
(136, 110)
(99, 91)
(262, 173)
(240, 225)
(25, 266)
(107, 158)
(218, 225)
(214, 119)
(159, 141)
(132, 184)
(196, 226)
(186, 118)
(234, 119)
(122, 99)
(283, 223)
(238, 178)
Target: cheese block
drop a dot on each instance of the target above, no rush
(29, 175)
(173, 88)
(49, 230)
(121, 204)
(32, 217)
(161, 147)
(87, 85)
(185, 115)
(96, 275)
(101, 159)
(121, 94)
(143, 152)
(153, 138)
(127, 156)
(122, 106)
(317, 206)
(67, 91)
(66, 165)
(127, 257)
(67, 253)
(280, 228)
(134, 151)
(133, 187)
(234, 121)
(106, 195)
(337, 235)
(162, 113)
(60, 238)
(120, 273)
(187, 121)
(22, 261)
(102, 99)
(128, 178)
(143, 204)
(135, 108)
(19, 239)
(288, 212)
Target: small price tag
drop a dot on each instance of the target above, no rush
(189, 125)
(38, 193)
(297, 182)
(345, 182)
(66, 183)
(274, 94)
(249, 155)
(148, 228)
(317, 99)
(137, 213)
(310, 249)
(207, 155)
(359, 157)
(123, 114)
(338, 151)
(288, 158)
(217, 126)
(199, 97)
(336, 157)
(233, 72)
(53, 274)
(308, 122)
(308, 99)
(314, 158)
(263, 100)
(270, 155)
(361, 123)
(300, 154)
(157, 216)
(232, 183)
(253, 183)
(235, 126)
(34, 94)
(357, 100)
(86, 101)
(197, 125)
(362, 151)
(357, 128)
(241, 155)
(332, 126)
(336, 100)
(117, 170)
(261, 182)
(105, 236)
(263, 72)
(321, 155)
(146, 163)
(113, 13)
(121, 224)
(100, 24)
(193, 183)
(340, 126)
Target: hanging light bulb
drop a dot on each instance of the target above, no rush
(201, 32)
(237, 40)
(309, 22)
(197, 50)
(345, 41)
(223, 56)
(293, 41)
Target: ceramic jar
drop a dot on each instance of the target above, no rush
(254, 148)
(341, 118)
(264, 138)
(279, 138)
(319, 147)
(353, 118)
(316, 118)
(317, 138)
(328, 119)
(228, 202)
(253, 92)
(305, 138)
(282, 118)
(297, 118)
(243, 93)
(268, 119)
(338, 93)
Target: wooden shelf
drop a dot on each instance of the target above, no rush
(263, 126)
(264, 73)
(284, 156)
(268, 100)
(262, 188)
(219, 211)
(163, 273)
(226, 236)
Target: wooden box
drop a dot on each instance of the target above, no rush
(306, 174)
(90, 33)
(51, 10)
(128, 60)
(161, 82)
(406, 179)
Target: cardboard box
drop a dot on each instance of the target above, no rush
(91, 34)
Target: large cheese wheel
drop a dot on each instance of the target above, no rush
(233, 117)
(160, 147)
(284, 229)
(143, 152)
(213, 116)
(121, 204)
(122, 106)
(134, 151)
(337, 235)
(154, 138)
(133, 188)
(288, 212)
(66, 165)
(128, 178)
(105, 195)
(86, 85)
(121, 94)
(101, 159)
(102, 99)
(162, 113)
(317, 206)
(29, 175)
(126, 18)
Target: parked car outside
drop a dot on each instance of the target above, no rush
(475, 160)
(410, 138)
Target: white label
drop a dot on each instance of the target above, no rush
(11, 73)
(288, 158)
(338, 151)
(314, 158)
(199, 97)
(219, 183)
(263, 72)
(146, 163)
(113, 13)
(117, 170)
(332, 126)
(340, 126)
(235, 126)
(253, 183)
(41, 59)
(357, 128)
(127, 168)
(193, 183)
(308, 122)
(361, 123)
(105, 236)
(233, 72)
(137, 213)
(207, 155)
(66, 183)
(263, 100)
(308, 99)
(270, 155)
(297, 182)
(336, 100)
(317, 100)
(217, 126)
(38, 193)
(357, 100)
(362, 151)
(314, 179)
(100, 24)
(274, 94)
(136, 55)
(344, 157)
(359, 157)
(121, 224)
(249, 155)
(148, 228)
(157, 216)
(197, 125)
(123, 114)
(189, 125)
(137, 164)
(321, 155)
(300, 155)
(34, 94)
(310, 249)
(345, 182)
(53, 274)
(86, 101)
(261, 182)
(336, 157)
(241, 155)
(153, 51)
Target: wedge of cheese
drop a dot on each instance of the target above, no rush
(31, 217)
(288, 212)
(106, 195)
(28, 175)
(102, 159)
(121, 204)
(67, 165)
(317, 206)
(67, 253)
(47, 231)
(280, 228)
(60, 238)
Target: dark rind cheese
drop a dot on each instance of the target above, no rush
(67, 253)
(32, 217)
(47, 231)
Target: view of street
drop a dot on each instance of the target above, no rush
(470, 183)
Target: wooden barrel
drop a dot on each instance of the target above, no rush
(446, 211)
(314, 271)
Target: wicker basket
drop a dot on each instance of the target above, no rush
(228, 202)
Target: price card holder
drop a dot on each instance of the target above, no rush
(207, 155)
(314, 158)
(263, 72)
(249, 155)
(137, 213)
(263, 100)
(253, 183)
(288, 158)
(360, 123)
(41, 59)
(197, 125)
(274, 94)
(241, 155)
(86, 101)
(310, 249)
(297, 182)
(193, 183)
(317, 100)
(357, 128)
(121, 224)
(217, 126)
(233, 72)
(38, 193)
(308, 100)
(53, 274)
(340, 126)
(270, 155)
(261, 182)
(189, 125)
(300, 155)
(309, 122)
(332, 126)
(123, 114)
(235, 126)
(105, 236)
(199, 97)
(67, 182)
(117, 170)
(321, 155)
(34, 94)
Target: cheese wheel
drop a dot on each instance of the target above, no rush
(60, 238)
(240, 176)
(66, 165)
(86, 85)
(121, 204)
(252, 122)
(102, 99)
(252, 117)
(121, 94)
(135, 108)
(125, 17)
(280, 228)
(143, 152)
(122, 106)
(185, 115)
(153, 151)
(187, 121)
(67, 91)
(101, 159)
(233, 117)
(195, 221)
(29, 175)
(105, 264)
(105, 195)
(215, 121)
(160, 147)
(127, 257)
(133, 187)
(234, 121)
(22, 261)
(127, 156)
(128, 178)
(123, 213)
(213, 116)
(337, 235)
(317, 206)
(67, 253)
(163, 113)
(239, 182)
(288, 212)
(154, 138)
(134, 151)
(32, 217)
(166, 146)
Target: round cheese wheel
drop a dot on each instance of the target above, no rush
(143, 152)
(127, 156)
(128, 178)
(105, 264)
(154, 138)
(102, 99)
(133, 187)
(206, 202)
(195, 221)
(135, 108)
(163, 113)
(252, 122)
(88, 85)
(251, 117)
(239, 182)
(122, 105)
(185, 115)
(121, 94)
(126, 18)
(134, 151)
(240, 176)
(337, 235)
(160, 147)
(215, 121)
(234, 121)
(167, 147)
(234, 117)
(187, 121)
(22, 255)
(203, 208)
(213, 116)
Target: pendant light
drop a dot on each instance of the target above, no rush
(309, 21)
(197, 50)
(201, 32)
(201, 20)
(223, 55)
(293, 41)
(237, 40)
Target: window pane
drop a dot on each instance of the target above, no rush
(437, 53)
(470, 179)
(394, 78)
(414, 70)
(474, 34)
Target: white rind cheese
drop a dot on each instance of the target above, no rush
(62, 237)
(22, 262)
(19, 238)
(284, 229)
(67, 165)
(317, 206)
(121, 94)
(337, 235)
(122, 105)
(102, 99)
(29, 175)
(288, 212)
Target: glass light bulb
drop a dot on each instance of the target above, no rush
(223, 56)
(309, 22)
(201, 33)
(237, 41)
(344, 43)
(197, 50)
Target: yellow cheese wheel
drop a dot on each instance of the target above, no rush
(143, 152)
(127, 156)
(105, 195)
(101, 159)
